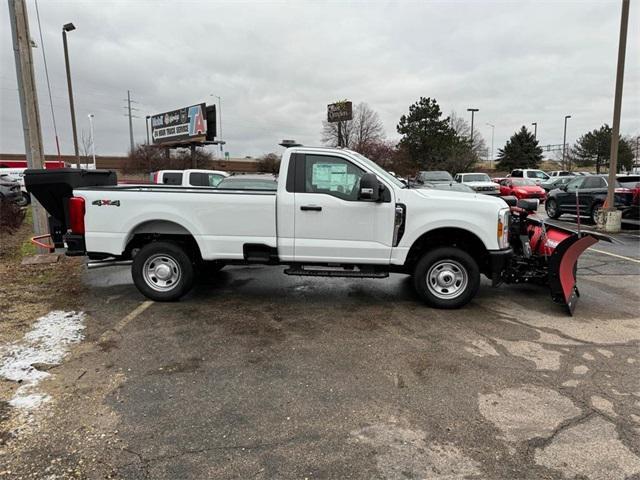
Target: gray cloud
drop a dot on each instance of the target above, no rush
(277, 64)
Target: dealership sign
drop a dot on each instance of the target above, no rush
(339, 111)
(182, 125)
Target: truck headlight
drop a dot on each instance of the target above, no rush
(503, 228)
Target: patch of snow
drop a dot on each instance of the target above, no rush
(47, 343)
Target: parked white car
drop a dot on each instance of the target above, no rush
(531, 173)
(189, 178)
(480, 182)
(560, 173)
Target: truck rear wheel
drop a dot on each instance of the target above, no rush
(446, 277)
(162, 271)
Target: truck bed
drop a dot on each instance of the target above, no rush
(221, 221)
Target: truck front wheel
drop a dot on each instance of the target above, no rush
(446, 277)
(162, 271)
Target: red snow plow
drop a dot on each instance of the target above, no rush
(545, 253)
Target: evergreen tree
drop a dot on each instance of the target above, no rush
(428, 138)
(520, 151)
(594, 148)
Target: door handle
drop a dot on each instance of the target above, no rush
(312, 208)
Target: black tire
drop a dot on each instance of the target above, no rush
(551, 207)
(24, 200)
(594, 212)
(168, 279)
(447, 264)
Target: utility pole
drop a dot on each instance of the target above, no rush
(147, 124)
(130, 120)
(472, 110)
(130, 109)
(564, 142)
(68, 27)
(535, 130)
(617, 106)
(28, 103)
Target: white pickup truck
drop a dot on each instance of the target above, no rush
(335, 213)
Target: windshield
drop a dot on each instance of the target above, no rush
(521, 182)
(379, 170)
(476, 177)
(437, 176)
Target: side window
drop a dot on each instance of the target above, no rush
(457, 178)
(504, 182)
(214, 179)
(172, 178)
(575, 184)
(593, 182)
(517, 173)
(333, 176)
(198, 179)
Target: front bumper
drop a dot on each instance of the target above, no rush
(498, 261)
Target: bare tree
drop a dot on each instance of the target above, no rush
(463, 130)
(85, 150)
(269, 163)
(365, 128)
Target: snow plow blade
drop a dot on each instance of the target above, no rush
(562, 266)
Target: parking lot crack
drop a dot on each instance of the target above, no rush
(542, 442)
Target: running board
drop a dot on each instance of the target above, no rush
(314, 271)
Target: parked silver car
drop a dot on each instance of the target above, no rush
(10, 188)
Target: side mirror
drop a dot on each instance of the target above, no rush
(369, 188)
(563, 188)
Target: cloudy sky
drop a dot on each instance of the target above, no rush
(276, 65)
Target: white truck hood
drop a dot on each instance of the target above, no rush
(473, 212)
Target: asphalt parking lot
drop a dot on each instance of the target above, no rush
(259, 375)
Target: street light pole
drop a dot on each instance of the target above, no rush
(93, 141)
(472, 110)
(68, 27)
(564, 142)
(535, 130)
(493, 129)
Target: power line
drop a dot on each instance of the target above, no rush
(46, 72)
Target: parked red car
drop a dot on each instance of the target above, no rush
(522, 188)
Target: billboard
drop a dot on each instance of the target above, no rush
(339, 111)
(188, 124)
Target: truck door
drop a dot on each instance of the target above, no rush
(331, 223)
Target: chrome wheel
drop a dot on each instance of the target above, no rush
(447, 279)
(161, 272)
(551, 208)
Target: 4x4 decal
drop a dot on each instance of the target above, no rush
(112, 203)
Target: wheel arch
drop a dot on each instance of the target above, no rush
(161, 230)
(449, 237)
